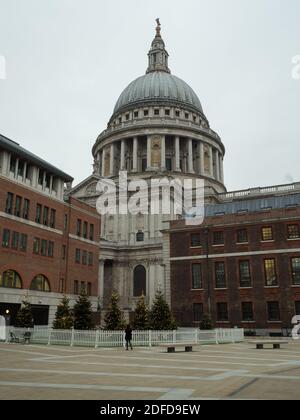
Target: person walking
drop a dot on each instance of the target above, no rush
(128, 336)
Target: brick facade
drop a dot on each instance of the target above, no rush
(285, 294)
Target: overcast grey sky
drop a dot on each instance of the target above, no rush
(67, 61)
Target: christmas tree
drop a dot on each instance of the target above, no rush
(83, 312)
(160, 317)
(114, 317)
(206, 323)
(141, 315)
(24, 317)
(63, 317)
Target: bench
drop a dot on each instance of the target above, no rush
(25, 339)
(276, 343)
(171, 346)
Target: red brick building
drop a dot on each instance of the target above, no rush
(242, 265)
(48, 246)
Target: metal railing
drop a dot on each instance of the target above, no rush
(105, 338)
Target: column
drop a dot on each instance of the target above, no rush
(101, 281)
(24, 171)
(163, 153)
(177, 154)
(201, 159)
(217, 165)
(112, 160)
(190, 156)
(221, 169)
(51, 184)
(135, 154)
(211, 167)
(103, 162)
(148, 153)
(122, 162)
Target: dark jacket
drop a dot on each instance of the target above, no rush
(128, 334)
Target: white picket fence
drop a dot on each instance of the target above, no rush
(103, 338)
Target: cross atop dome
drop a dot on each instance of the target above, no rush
(158, 56)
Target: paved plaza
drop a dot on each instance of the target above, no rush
(229, 371)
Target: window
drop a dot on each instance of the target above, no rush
(6, 238)
(220, 275)
(270, 272)
(168, 164)
(218, 238)
(82, 286)
(245, 277)
(40, 283)
(156, 112)
(65, 222)
(186, 115)
(75, 287)
(15, 240)
(52, 218)
(84, 257)
(11, 278)
(44, 247)
(266, 233)
(90, 258)
(139, 281)
(20, 168)
(50, 249)
(47, 180)
(144, 165)
(195, 239)
(247, 311)
(242, 235)
(41, 177)
(9, 203)
(293, 231)
(140, 236)
(62, 285)
(38, 213)
(45, 216)
(78, 228)
(194, 118)
(295, 263)
(77, 255)
(222, 311)
(18, 204)
(177, 113)
(89, 289)
(23, 242)
(36, 245)
(120, 120)
(297, 307)
(273, 311)
(91, 232)
(127, 117)
(85, 230)
(198, 311)
(196, 276)
(167, 112)
(146, 112)
(136, 114)
(63, 252)
(26, 209)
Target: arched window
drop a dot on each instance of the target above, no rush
(139, 280)
(10, 278)
(140, 236)
(40, 283)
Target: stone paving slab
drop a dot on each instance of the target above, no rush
(231, 371)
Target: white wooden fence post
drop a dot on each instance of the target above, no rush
(174, 336)
(72, 337)
(96, 339)
(196, 335)
(150, 338)
(216, 336)
(49, 337)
